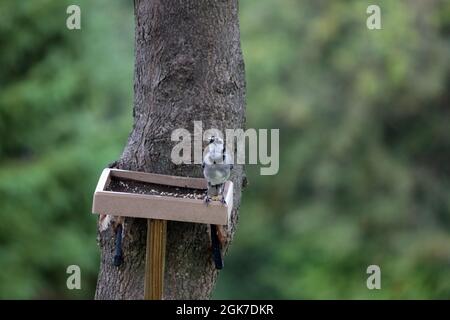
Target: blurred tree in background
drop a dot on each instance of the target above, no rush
(364, 124)
(65, 112)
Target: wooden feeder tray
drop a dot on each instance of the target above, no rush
(156, 196)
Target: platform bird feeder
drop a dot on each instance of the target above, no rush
(158, 198)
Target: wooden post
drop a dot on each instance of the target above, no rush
(155, 258)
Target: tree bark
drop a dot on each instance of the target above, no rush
(188, 67)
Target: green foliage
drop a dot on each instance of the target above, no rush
(364, 131)
(64, 114)
(364, 150)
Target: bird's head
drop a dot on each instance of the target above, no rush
(216, 140)
(215, 148)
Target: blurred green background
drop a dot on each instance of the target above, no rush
(364, 121)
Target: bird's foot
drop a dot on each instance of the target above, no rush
(222, 200)
(207, 200)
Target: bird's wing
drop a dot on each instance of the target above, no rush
(228, 159)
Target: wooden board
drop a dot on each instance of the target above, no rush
(155, 259)
(160, 207)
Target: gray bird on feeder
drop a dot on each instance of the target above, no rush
(217, 165)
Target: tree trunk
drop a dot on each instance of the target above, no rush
(188, 67)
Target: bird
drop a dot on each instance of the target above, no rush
(217, 165)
